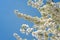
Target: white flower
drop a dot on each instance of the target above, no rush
(29, 30)
(22, 30)
(24, 26)
(17, 36)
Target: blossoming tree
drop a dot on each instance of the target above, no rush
(50, 20)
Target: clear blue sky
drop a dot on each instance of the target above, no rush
(9, 22)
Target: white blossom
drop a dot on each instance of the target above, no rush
(17, 36)
(29, 30)
(38, 30)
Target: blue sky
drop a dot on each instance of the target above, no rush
(9, 22)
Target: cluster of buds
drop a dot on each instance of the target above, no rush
(45, 27)
(26, 29)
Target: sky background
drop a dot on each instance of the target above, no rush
(10, 23)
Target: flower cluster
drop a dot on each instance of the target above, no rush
(45, 27)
